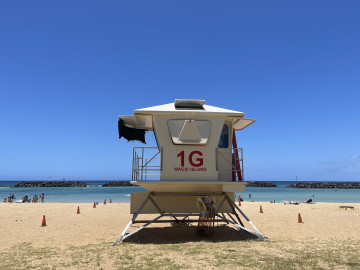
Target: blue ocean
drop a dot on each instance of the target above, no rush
(94, 192)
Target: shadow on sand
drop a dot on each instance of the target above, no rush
(183, 234)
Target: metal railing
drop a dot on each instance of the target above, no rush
(236, 161)
(147, 161)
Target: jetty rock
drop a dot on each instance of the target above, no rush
(332, 185)
(37, 184)
(118, 184)
(259, 184)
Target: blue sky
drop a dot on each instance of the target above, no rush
(69, 68)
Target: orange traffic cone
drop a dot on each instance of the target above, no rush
(300, 219)
(239, 203)
(78, 210)
(43, 224)
(105, 201)
(261, 211)
(94, 205)
(110, 200)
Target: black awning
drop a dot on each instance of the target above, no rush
(131, 134)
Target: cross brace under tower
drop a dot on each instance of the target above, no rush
(233, 219)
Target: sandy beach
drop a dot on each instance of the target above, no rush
(94, 230)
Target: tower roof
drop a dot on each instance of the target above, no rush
(143, 119)
(194, 107)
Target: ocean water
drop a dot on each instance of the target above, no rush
(94, 192)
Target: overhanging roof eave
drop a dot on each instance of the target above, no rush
(235, 115)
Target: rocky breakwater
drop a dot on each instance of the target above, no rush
(118, 184)
(333, 185)
(37, 184)
(259, 184)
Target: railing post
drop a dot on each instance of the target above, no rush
(142, 163)
(146, 169)
(132, 167)
(242, 164)
(137, 167)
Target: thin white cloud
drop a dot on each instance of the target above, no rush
(327, 163)
(352, 169)
(353, 156)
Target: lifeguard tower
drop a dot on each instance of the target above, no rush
(197, 164)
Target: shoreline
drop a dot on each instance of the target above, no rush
(122, 194)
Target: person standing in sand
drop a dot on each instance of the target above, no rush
(35, 198)
(42, 197)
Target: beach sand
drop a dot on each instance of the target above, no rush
(325, 228)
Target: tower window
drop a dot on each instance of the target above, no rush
(224, 137)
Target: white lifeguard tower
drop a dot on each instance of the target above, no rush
(197, 163)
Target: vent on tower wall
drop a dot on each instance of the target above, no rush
(189, 104)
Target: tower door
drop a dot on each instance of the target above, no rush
(224, 155)
(224, 164)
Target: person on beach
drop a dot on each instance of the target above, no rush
(35, 198)
(25, 198)
(9, 198)
(42, 197)
(4, 199)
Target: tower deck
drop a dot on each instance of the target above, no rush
(190, 186)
